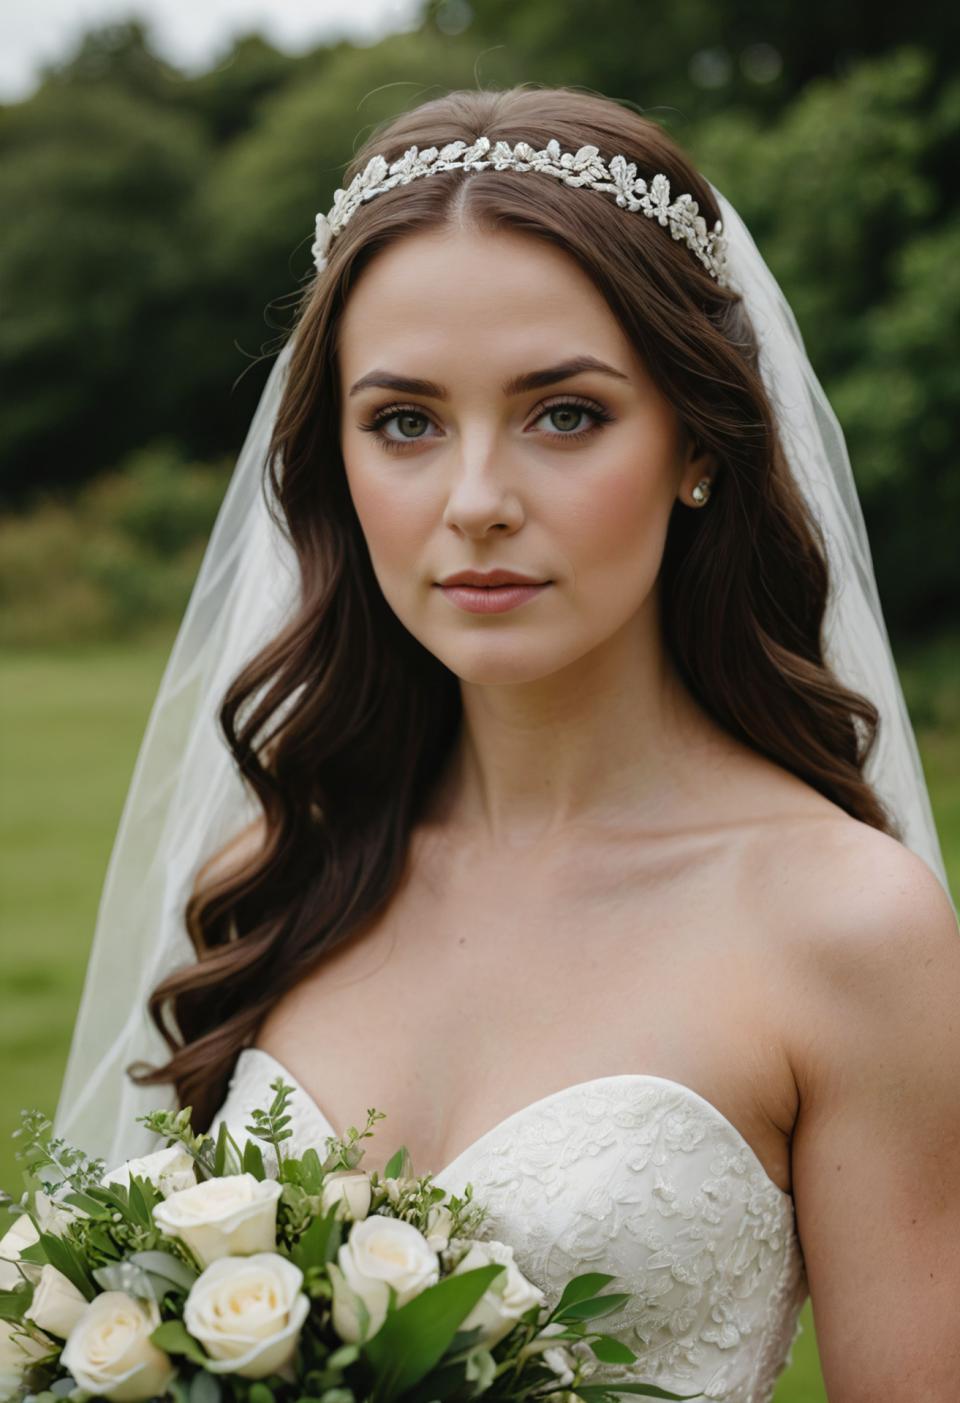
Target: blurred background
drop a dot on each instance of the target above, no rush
(160, 169)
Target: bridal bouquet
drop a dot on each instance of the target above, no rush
(211, 1272)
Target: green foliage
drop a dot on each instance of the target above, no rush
(118, 558)
(102, 247)
(163, 221)
(842, 196)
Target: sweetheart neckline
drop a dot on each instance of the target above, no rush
(541, 1101)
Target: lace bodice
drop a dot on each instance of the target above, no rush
(635, 1175)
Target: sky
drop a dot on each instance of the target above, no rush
(190, 33)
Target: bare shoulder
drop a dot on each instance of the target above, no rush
(862, 901)
(227, 861)
(874, 1041)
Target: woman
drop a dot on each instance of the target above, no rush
(582, 879)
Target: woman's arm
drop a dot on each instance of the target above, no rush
(876, 1149)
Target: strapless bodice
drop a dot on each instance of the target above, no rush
(635, 1175)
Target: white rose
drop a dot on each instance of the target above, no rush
(17, 1353)
(56, 1216)
(508, 1296)
(379, 1253)
(349, 1190)
(57, 1305)
(233, 1216)
(439, 1223)
(248, 1313)
(168, 1170)
(23, 1234)
(109, 1352)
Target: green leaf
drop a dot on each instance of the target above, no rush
(93, 1207)
(15, 1302)
(253, 1161)
(66, 1259)
(579, 1288)
(138, 1204)
(394, 1164)
(173, 1337)
(259, 1393)
(204, 1388)
(311, 1249)
(413, 1339)
(311, 1171)
(598, 1393)
(594, 1308)
(340, 1358)
(612, 1351)
(220, 1153)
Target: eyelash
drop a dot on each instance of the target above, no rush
(390, 411)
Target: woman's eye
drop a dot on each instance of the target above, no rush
(567, 415)
(412, 423)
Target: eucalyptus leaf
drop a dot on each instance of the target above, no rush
(204, 1388)
(165, 1264)
(125, 1276)
(62, 1388)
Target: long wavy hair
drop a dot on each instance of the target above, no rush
(344, 721)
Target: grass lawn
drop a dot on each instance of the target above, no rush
(70, 726)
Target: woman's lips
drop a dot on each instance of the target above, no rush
(490, 599)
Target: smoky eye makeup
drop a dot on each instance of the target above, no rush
(599, 416)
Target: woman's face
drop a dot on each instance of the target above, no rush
(510, 457)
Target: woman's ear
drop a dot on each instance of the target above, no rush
(699, 473)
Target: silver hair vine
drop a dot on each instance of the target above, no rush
(584, 168)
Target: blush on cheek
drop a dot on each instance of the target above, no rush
(623, 521)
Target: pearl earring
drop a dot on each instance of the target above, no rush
(701, 492)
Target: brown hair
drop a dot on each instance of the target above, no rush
(342, 723)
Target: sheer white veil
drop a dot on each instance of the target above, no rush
(186, 799)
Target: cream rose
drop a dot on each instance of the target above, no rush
(23, 1234)
(169, 1171)
(248, 1314)
(17, 1352)
(349, 1190)
(233, 1216)
(378, 1253)
(57, 1305)
(109, 1352)
(507, 1297)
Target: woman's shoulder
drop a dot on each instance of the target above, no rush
(854, 890)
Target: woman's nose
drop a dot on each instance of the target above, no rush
(482, 495)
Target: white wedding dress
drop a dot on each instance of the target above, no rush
(634, 1175)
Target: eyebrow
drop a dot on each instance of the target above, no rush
(516, 385)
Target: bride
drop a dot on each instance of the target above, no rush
(570, 813)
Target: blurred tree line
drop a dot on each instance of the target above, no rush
(157, 226)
